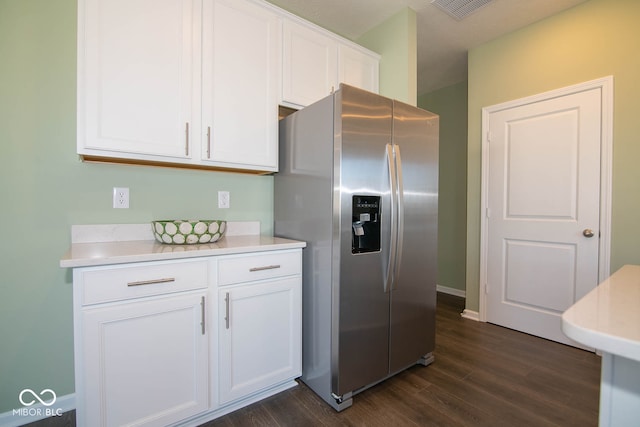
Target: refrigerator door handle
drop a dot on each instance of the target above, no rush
(391, 163)
(399, 217)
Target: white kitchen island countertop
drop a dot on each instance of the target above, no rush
(110, 247)
(608, 317)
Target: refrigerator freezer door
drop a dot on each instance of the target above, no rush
(413, 297)
(361, 346)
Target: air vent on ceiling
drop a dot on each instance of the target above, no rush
(459, 9)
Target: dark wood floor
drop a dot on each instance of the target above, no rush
(483, 375)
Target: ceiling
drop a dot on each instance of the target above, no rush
(443, 41)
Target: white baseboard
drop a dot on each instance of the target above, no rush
(451, 291)
(26, 415)
(470, 314)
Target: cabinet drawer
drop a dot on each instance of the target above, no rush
(141, 280)
(246, 268)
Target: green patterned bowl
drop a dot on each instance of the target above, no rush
(188, 232)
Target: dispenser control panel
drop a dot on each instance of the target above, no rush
(365, 217)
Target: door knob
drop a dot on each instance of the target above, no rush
(587, 232)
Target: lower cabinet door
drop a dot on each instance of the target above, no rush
(260, 329)
(146, 361)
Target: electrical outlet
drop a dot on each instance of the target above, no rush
(224, 201)
(120, 198)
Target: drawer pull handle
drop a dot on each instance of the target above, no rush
(152, 282)
(186, 139)
(203, 317)
(226, 318)
(266, 267)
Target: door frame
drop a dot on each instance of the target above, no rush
(605, 84)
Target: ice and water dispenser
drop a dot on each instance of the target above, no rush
(365, 232)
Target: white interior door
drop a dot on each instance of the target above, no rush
(541, 239)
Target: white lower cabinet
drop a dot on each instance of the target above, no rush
(147, 361)
(260, 336)
(181, 342)
(141, 343)
(259, 321)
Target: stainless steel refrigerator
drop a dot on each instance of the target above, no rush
(358, 182)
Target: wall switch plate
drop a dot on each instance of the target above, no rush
(224, 201)
(120, 198)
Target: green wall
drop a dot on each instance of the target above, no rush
(396, 40)
(451, 104)
(592, 40)
(45, 189)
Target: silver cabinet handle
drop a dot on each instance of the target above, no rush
(266, 267)
(226, 302)
(202, 323)
(208, 142)
(152, 282)
(186, 142)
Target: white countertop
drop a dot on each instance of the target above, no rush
(112, 248)
(608, 317)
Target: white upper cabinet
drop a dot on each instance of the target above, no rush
(198, 82)
(309, 66)
(241, 56)
(316, 61)
(358, 68)
(190, 82)
(136, 66)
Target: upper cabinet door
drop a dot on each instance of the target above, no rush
(309, 65)
(136, 65)
(358, 68)
(241, 55)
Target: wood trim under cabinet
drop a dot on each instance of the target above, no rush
(115, 160)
